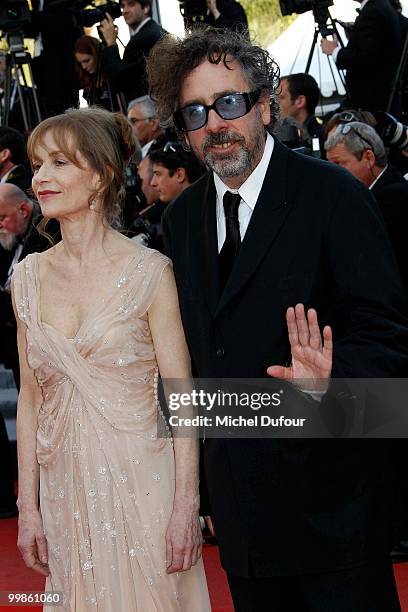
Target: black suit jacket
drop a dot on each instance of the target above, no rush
(128, 75)
(54, 68)
(371, 56)
(391, 193)
(315, 236)
(20, 176)
(233, 16)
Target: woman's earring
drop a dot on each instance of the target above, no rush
(92, 204)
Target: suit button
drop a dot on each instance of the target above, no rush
(220, 352)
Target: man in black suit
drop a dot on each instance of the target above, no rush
(301, 524)
(13, 166)
(358, 148)
(371, 56)
(128, 74)
(56, 29)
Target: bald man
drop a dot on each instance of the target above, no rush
(15, 213)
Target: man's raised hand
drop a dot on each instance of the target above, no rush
(312, 354)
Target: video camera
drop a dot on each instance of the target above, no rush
(16, 15)
(88, 17)
(320, 10)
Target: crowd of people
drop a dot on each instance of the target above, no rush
(166, 231)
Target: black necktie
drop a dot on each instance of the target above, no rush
(232, 242)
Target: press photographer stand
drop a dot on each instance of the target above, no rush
(16, 84)
(328, 28)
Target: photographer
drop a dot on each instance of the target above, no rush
(298, 98)
(128, 74)
(371, 55)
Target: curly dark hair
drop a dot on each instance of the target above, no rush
(172, 59)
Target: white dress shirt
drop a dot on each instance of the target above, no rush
(378, 177)
(249, 192)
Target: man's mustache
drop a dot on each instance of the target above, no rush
(222, 138)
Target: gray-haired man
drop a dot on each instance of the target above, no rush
(142, 114)
(358, 148)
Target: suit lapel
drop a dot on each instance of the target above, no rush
(204, 244)
(267, 218)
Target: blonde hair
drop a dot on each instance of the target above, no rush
(104, 139)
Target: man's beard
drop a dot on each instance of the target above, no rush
(7, 240)
(239, 163)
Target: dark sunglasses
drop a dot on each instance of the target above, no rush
(231, 106)
(346, 128)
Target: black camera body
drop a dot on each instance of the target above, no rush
(14, 15)
(302, 6)
(88, 17)
(320, 10)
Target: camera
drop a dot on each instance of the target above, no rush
(302, 6)
(88, 17)
(320, 10)
(14, 15)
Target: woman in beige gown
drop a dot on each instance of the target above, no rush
(117, 528)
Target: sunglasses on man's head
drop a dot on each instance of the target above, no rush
(230, 106)
(346, 128)
(345, 116)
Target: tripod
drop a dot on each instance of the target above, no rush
(325, 26)
(16, 83)
(399, 87)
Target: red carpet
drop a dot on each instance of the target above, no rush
(14, 576)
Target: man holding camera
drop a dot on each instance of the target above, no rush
(371, 56)
(128, 74)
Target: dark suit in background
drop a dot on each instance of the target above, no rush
(233, 16)
(128, 75)
(371, 56)
(391, 193)
(54, 68)
(295, 507)
(20, 176)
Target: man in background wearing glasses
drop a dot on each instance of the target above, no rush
(266, 229)
(142, 114)
(358, 148)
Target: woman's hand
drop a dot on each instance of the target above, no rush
(312, 355)
(31, 541)
(184, 540)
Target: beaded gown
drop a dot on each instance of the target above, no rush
(107, 480)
